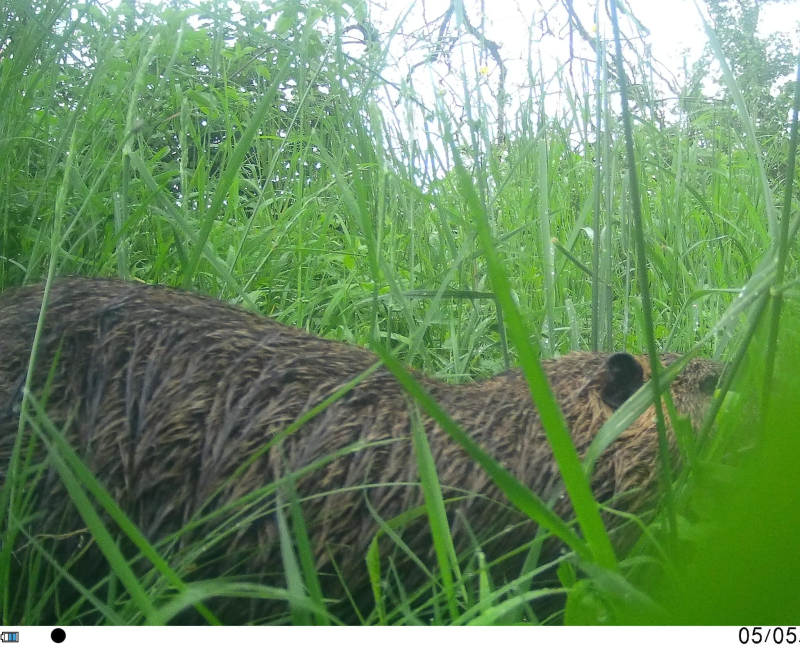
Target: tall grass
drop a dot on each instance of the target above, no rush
(260, 160)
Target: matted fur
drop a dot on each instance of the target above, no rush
(171, 392)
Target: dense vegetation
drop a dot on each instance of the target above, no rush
(265, 156)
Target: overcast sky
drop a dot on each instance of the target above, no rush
(675, 31)
(674, 25)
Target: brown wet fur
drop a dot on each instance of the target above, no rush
(169, 392)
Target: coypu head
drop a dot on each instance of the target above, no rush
(635, 456)
(591, 387)
(691, 390)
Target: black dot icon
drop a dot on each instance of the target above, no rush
(57, 635)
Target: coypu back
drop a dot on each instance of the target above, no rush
(166, 394)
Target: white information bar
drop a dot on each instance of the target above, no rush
(761, 635)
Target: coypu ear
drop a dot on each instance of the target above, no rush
(624, 376)
(708, 384)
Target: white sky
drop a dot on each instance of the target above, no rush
(674, 26)
(675, 32)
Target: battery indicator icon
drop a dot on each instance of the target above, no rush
(9, 637)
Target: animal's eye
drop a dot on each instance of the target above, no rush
(709, 383)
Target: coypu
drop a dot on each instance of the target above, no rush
(165, 394)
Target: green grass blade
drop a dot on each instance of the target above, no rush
(665, 472)
(563, 449)
(291, 569)
(437, 517)
(305, 553)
